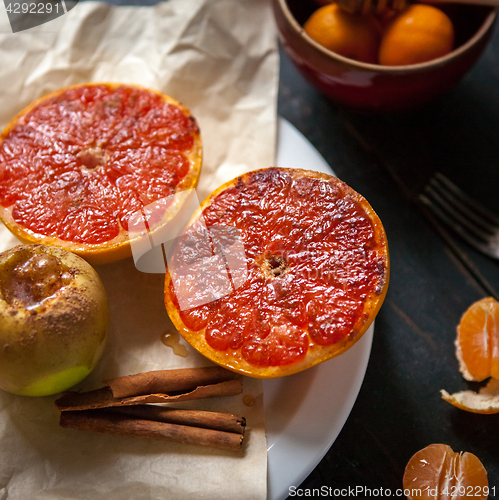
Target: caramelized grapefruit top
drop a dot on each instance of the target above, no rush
(77, 163)
(314, 272)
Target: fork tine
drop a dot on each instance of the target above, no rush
(463, 202)
(463, 258)
(481, 246)
(466, 217)
(453, 216)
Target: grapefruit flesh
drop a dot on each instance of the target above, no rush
(77, 164)
(314, 272)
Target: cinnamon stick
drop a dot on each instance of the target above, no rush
(126, 407)
(165, 381)
(226, 422)
(103, 398)
(121, 425)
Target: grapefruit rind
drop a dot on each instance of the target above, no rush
(118, 248)
(232, 359)
(486, 400)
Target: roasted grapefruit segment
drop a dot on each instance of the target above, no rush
(311, 276)
(76, 165)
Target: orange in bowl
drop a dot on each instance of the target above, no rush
(353, 36)
(419, 34)
(77, 164)
(379, 87)
(278, 270)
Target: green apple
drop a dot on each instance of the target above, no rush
(54, 318)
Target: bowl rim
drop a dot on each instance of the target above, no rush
(480, 33)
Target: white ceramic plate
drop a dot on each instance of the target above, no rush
(305, 412)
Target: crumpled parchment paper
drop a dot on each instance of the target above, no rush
(219, 58)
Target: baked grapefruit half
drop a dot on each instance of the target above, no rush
(278, 270)
(77, 164)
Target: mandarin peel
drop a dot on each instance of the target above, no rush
(266, 338)
(485, 401)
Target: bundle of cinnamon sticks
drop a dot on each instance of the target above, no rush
(129, 406)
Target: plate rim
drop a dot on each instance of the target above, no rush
(292, 148)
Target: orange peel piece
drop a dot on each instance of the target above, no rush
(486, 400)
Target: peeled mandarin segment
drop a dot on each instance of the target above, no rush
(424, 469)
(418, 34)
(474, 476)
(77, 165)
(438, 473)
(349, 35)
(486, 400)
(477, 343)
(312, 272)
(493, 328)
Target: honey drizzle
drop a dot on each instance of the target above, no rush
(172, 339)
(249, 400)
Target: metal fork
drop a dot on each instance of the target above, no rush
(464, 215)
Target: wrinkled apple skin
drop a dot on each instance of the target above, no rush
(54, 343)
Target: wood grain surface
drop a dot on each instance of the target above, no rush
(389, 159)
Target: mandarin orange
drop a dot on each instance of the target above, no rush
(349, 35)
(279, 269)
(477, 342)
(77, 164)
(477, 350)
(418, 34)
(439, 473)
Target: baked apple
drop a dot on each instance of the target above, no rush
(54, 318)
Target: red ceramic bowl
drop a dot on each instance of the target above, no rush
(375, 87)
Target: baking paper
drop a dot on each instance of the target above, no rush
(219, 58)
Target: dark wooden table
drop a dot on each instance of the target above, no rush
(389, 159)
(433, 281)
